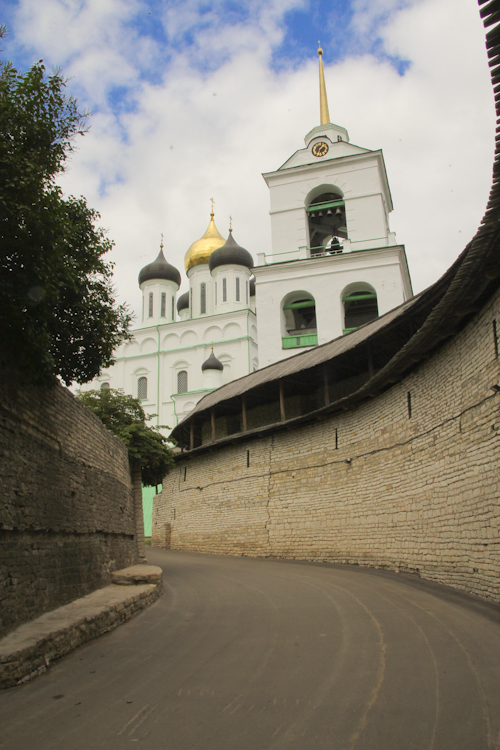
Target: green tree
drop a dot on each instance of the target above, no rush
(58, 312)
(125, 417)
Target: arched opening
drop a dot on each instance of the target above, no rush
(142, 388)
(182, 381)
(203, 299)
(327, 222)
(360, 305)
(299, 326)
(104, 386)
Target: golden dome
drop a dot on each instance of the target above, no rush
(200, 251)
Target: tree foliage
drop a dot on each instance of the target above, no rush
(125, 417)
(57, 307)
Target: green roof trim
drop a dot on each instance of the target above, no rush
(357, 297)
(299, 305)
(321, 206)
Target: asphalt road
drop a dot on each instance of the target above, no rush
(243, 654)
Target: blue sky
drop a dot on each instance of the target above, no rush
(345, 28)
(195, 99)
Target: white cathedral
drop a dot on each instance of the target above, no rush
(334, 266)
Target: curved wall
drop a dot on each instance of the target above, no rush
(407, 481)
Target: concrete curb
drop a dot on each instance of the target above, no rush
(30, 649)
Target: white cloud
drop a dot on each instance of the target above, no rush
(193, 135)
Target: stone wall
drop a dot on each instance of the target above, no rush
(407, 481)
(67, 516)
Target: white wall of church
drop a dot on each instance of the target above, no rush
(199, 275)
(361, 180)
(231, 288)
(161, 353)
(155, 308)
(326, 280)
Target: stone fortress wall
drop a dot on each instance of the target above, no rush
(67, 517)
(407, 481)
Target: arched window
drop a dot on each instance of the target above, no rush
(203, 299)
(237, 289)
(182, 381)
(104, 386)
(142, 388)
(299, 315)
(150, 304)
(360, 306)
(224, 290)
(327, 223)
(163, 308)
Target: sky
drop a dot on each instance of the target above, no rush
(194, 100)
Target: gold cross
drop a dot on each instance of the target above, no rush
(212, 200)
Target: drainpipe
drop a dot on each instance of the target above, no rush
(248, 340)
(158, 381)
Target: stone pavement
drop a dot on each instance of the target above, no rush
(30, 649)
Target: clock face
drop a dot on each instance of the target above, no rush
(320, 148)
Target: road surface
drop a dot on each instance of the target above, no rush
(245, 654)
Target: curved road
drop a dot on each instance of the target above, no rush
(245, 654)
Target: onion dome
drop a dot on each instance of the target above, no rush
(200, 251)
(212, 363)
(230, 254)
(252, 286)
(183, 302)
(160, 269)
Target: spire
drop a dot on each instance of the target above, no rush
(323, 101)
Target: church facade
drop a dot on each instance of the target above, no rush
(334, 266)
(192, 343)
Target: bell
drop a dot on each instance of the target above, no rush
(328, 213)
(338, 212)
(313, 215)
(320, 213)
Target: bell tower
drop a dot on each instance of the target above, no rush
(330, 206)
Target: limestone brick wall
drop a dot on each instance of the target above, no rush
(67, 515)
(407, 481)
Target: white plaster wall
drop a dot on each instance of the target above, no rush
(361, 179)
(198, 275)
(157, 286)
(212, 379)
(230, 273)
(289, 235)
(160, 352)
(367, 224)
(325, 279)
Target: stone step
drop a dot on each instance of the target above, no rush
(31, 648)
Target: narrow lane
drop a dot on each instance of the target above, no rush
(260, 654)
